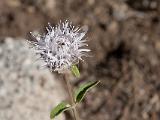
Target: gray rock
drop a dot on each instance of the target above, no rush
(26, 92)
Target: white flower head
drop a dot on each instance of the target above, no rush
(62, 46)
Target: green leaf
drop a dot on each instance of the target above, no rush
(75, 71)
(61, 107)
(80, 93)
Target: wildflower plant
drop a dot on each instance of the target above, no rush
(61, 48)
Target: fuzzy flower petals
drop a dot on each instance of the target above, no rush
(62, 46)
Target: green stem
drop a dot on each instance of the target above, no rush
(69, 88)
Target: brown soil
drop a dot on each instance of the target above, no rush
(124, 36)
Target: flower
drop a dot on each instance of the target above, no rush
(62, 46)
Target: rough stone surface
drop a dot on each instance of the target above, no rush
(26, 92)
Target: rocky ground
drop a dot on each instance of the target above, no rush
(124, 36)
(26, 91)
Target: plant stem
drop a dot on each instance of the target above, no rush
(69, 88)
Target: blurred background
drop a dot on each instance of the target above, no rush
(124, 36)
